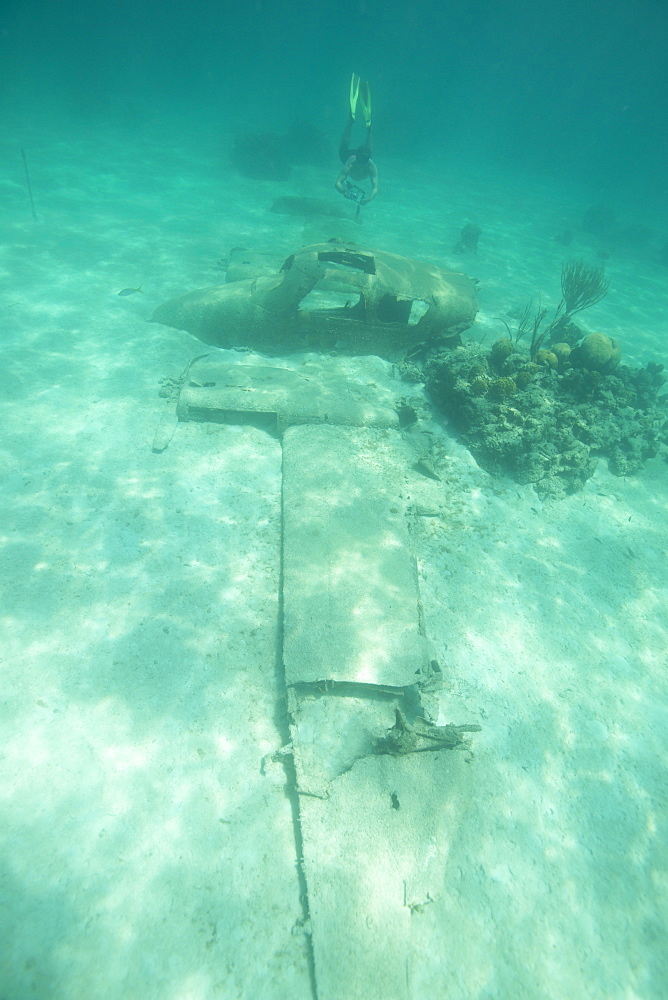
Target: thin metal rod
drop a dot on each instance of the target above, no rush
(32, 203)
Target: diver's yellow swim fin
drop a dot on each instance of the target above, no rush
(354, 94)
(365, 102)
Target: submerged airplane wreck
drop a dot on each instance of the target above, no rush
(331, 296)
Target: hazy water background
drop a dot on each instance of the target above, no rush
(568, 88)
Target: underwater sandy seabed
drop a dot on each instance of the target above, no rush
(144, 854)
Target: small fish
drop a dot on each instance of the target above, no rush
(130, 291)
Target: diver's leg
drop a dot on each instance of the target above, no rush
(367, 141)
(365, 102)
(344, 144)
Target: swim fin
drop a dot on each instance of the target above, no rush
(354, 94)
(365, 102)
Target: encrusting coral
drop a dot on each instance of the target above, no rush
(546, 425)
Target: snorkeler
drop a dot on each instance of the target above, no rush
(357, 163)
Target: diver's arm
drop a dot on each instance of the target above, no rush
(373, 177)
(343, 176)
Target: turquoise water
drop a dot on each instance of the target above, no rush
(153, 843)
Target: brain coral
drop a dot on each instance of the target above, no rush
(597, 353)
